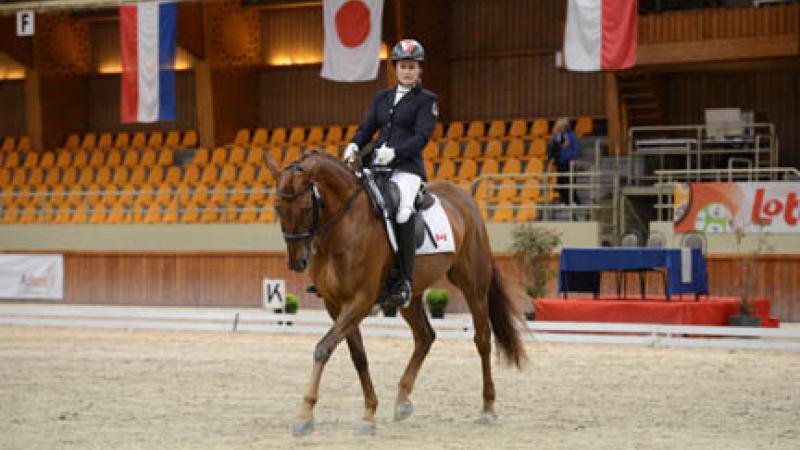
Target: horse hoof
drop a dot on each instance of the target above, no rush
(403, 411)
(365, 428)
(487, 418)
(303, 427)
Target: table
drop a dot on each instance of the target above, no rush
(580, 268)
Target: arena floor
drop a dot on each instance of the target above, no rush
(112, 389)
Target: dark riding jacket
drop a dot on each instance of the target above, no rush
(406, 127)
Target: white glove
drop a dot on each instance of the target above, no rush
(350, 152)
(384, 155)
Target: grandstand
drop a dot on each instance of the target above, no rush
(73, 179)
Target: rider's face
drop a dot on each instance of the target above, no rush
(407, 72)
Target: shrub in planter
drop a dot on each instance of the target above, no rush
(292, 304)
(437, 300)
(532, 247)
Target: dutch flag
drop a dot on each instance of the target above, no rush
(147, 45)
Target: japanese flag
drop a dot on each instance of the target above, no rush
(600, 35)
(352, 39)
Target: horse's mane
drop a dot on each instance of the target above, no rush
(326, 160)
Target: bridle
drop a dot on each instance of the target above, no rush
(317, 229)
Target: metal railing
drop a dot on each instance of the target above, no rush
(693, 144)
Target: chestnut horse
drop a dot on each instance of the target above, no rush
(330, 228)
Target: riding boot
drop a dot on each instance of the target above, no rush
(400, 291)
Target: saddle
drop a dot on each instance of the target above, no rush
(385, 198)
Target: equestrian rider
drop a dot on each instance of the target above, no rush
(406, 116)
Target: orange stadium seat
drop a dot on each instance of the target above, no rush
(468, 170)
(148, 158)
(248, 213)
(527, 213)
(255, 156)
(114, 158)
(431, 150)
(183, 192)
(191, 213)
(237, 155)
(351, 131)
(166, 157)
(110, 195)
(139, 212)
(452, 150)
(219, 156)
(153, 214)
(5, 176)
(98, 215)
(20, 177)
(144, 195)
(89, 141)
(535, 165)
(106, 141)
(518, 129)
(191, 174)
(139, 140)
(8, 195)
(260, 137)
(267, 214)
(258, 193)
(131, 158)
(69, 176)
(173, 139)
(332, 150)
(504, 212)
(210, 174)
(9, 143)
(292, 154)
(64, 158)
(242, 137)
(538, 148)
(446, 170)
(473, 150)
(73, 141)
(31, 159)
(121, 175)
(490, 166)
(173, 175)
(494, 150)
(24, 144)
(200, 157)
(315, 135)
(35, 176)
(122, 140)
(97, 158)
(584, 126)
(80, 158)
(238, 193)
(515, 149)
(209, 214)
(476, 130)
(11, 214)
(155, 175)
(335, 135)
(29, 215)
(278, 136)
(118, 214)
(52, 176)
(101, 175)
(199, 194)
(171, 213)
(429, 168)
(163, 194)
(497, 129)
(227, 174)
(189, 139)
(455, 130)
(79, 216)
(539, 128)
(12, 160)
(512, 166)
(297, 135)
(438, 131)
(218, 193)
(47, 160)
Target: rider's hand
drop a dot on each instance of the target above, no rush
(384, 155)
(350, 152)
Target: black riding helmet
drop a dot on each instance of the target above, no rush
(408, 49)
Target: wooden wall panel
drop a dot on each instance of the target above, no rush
(65, 107)
(12, 108)
(235, 94)
(234, 279)
(528, 86)
(774, 95)
(299, 96)
(294, 35)
(718, 23)
(103, 99)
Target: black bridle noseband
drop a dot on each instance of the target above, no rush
(317, 229)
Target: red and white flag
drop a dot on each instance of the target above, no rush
(352, 39)
(600, 35)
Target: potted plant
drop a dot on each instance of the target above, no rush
(437, 300)
(532, 246)
(747, 272)
(292, 304)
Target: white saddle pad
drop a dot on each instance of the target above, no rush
(440, 227)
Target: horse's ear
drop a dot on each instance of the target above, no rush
(272, 165)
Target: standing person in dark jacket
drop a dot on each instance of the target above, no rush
(561, 150)
(406, 116)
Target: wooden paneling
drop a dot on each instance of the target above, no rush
(523, 87)
(773, 95)
(12, 108)
(718, 23)
(65, 107)
(235, 101)
(292, 36)
(297, 95)
(103, 99)
(234, 279)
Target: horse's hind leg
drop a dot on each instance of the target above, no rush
(424, 335)
(475, 288)
(359, 357)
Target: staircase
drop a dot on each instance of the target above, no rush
(641, 99)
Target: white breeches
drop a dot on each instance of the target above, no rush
(409, 184)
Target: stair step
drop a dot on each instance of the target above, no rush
(642, 106)
(638, 95)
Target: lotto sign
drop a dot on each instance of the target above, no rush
(772, 207)
(274, 293)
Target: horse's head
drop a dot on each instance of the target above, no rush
(299, 202)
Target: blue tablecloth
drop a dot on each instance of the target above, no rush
(637, 258)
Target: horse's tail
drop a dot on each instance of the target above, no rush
(505, 320)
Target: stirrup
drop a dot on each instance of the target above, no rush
(399, 293)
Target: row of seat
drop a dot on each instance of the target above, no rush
(455, 130)
(141, 214)
(12, 143)
(83, 158)
(173, 139)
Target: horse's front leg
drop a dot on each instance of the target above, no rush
(350, 316)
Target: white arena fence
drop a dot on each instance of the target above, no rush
(459, 328)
